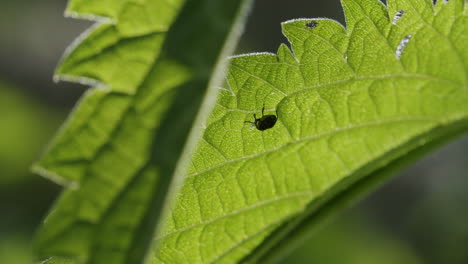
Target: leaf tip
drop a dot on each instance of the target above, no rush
(240, 56)
(38, 169)
(86, 81)
(91, 17)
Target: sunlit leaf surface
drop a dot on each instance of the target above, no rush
(348, 102)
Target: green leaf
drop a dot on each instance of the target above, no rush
(123, 143)
(353, 105)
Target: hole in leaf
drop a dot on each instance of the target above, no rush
(401, 47)
(397, 16)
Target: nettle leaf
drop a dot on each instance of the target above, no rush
(122, 145)
(353, 104)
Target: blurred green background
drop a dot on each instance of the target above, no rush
(418, 217)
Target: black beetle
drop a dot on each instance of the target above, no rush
(312, 24)
(264, 122)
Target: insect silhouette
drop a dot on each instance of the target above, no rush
(312, 24)
(264, 122)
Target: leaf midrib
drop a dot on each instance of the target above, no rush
(355, 78)
(316, 136)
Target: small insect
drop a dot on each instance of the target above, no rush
(264, 122)
(312, 24)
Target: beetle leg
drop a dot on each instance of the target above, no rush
(263, 109)
(255, 116)
(252, 124)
